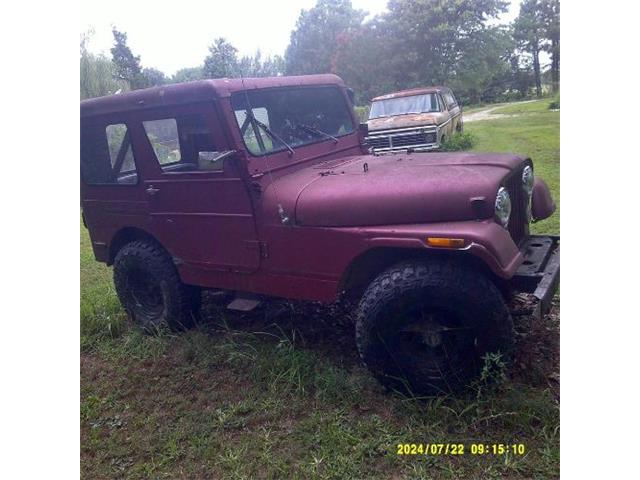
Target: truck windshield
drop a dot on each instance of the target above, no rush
(402, 105)
(296, 116)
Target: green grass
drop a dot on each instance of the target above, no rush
(536, 106)
(281, 393)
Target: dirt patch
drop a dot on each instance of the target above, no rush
(487, 113)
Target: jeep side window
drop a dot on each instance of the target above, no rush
(184, 144)
(106, 156)
(163, 136)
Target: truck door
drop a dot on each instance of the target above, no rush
(199, 206)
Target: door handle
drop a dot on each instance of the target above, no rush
(151, 190)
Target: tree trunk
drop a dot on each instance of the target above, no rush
(555, 65)
(536, 68)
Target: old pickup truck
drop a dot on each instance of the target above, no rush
(264, 188)
(420, 119)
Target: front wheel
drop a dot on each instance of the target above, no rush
(150, 289)
(424, 327)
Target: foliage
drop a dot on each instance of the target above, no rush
(550, 14)
(256, 66)
(537, 28)
(97, 73)
(152, 77)
(415, 43)
(458, 141)
(317, 34)
(555, 103)
(222, 60)
(127, 65)
(188, 75)
(362, 113)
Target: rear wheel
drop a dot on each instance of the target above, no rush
(150, 289)
(424, 328)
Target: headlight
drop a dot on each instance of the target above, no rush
(527, 185)
(503, 206)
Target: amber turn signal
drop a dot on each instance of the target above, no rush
(442, 242)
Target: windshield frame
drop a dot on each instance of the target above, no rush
(404, 97)
(316, 139)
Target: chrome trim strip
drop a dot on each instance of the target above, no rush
(407, 147)
(426, 128)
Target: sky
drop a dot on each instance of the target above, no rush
(173, 35)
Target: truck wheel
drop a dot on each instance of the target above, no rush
(150, 289)
(423, 328)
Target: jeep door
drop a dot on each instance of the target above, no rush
(200, 209)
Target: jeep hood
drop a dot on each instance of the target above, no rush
(366, 190)
(403, 121)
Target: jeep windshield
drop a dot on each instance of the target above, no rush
(293, 117)
(403, 105)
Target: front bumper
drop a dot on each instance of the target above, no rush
(539, 273)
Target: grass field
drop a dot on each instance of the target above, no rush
(281, 393)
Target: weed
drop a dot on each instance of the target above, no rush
(458, 141)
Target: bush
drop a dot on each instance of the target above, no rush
(555, 103)
(362, 113)
(458, 141)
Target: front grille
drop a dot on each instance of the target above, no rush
(518, 223)
(402, 140)
(379, 142)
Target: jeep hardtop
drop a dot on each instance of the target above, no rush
(264, 188)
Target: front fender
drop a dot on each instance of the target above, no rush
(542, 205)
(484, 239)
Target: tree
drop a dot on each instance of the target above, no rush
(428, 42)
(314, 41)
(222, 60)
(152, 77)
(255, 66)
(357, 61)
(127, 65)
(97, 73)
(273, 66)
(188, 75)
(128, 68)
(529, 32)
(550, 13)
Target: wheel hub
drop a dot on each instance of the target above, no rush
(428, 333)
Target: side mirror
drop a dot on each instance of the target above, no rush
(213, 161)
(363, 129)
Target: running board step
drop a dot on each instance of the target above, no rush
(244, 303)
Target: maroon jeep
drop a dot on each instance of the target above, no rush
(262, 187)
